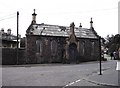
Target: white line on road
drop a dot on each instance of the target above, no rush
(72, 83)
(77, 80)
(118, 65)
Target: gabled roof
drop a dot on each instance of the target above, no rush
(56, 30)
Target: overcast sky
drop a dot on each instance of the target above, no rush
(61, 12)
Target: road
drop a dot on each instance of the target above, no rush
(53, 74)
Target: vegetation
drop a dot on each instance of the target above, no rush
(112, 43)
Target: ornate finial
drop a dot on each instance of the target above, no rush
(34, 17)
(34, 10)
(72, 24)
(80, 25)
(91, 23)
(91, 20)
(34, 13)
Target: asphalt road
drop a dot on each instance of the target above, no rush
(53, 74)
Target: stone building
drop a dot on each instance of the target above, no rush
(47, 43)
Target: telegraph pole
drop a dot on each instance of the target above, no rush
(100, 55)
(17, 33)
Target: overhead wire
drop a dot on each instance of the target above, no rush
(8, 17)
(13, 15)
(82, 12)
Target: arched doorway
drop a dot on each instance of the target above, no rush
(73, 53)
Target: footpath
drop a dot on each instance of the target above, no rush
(110, 77)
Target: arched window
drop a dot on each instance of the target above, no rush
(53, 48)
(39, 47)
(82, 48)
(92, 48)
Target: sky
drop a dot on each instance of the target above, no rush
(61, 12)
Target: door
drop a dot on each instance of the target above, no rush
(72, 53)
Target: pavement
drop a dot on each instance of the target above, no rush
(110, 77)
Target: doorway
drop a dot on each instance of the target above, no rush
(72, 53)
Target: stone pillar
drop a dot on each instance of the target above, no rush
(72, 25)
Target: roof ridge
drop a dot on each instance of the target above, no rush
(49, 24)
(58, 25)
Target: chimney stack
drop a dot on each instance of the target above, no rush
(80, 25)
(9, 31)
(2, 30)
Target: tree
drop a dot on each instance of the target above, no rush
(113, 42)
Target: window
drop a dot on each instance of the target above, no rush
(46, 41)
(82, 48)
(53, 47)
(92, 48)
(39, 46)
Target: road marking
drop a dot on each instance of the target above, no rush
(77, 80)
(118, 65)
(72, 83)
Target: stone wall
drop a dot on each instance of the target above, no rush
(9, 56)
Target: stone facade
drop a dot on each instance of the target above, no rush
(44, 49)
(47, 49)
(53, 43)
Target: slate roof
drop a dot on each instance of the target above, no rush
(8, 37)
(64, 31)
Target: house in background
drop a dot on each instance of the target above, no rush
(8, 40)
(47, 43)
(9, 50)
